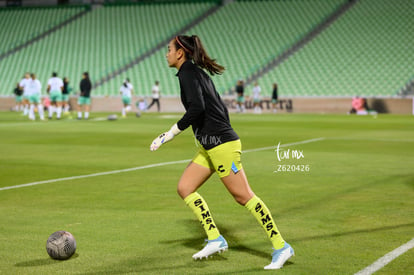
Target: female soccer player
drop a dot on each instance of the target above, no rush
(35, 92)
(274, 97)
(155, 96)
(240, 96)
(84, 99)
(54, 88)
(256, 98)
(126, 91)
(219, 148)
(24, 86)
(65, 95)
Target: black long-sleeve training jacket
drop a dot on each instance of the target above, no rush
(205, 111)
(85, 87)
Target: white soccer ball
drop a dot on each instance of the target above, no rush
(61, 245)
(112, 117)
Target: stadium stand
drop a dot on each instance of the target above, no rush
(366, 52)
(243, 36)
(27, 23)
(408, 89)
(146, 74)
(99, 42)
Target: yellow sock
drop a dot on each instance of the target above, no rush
(200, 209)
(264, 217)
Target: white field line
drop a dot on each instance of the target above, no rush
(94, 174)
(145, 166)
(386, 259)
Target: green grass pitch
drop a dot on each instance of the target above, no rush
(353, 206)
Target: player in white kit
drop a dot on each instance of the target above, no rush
(256, 98)
(55, 88)
(35, 92)
(126, 91)
(24, 86)
(155, 96)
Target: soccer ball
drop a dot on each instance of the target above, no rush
(112, 117)
(61, 245)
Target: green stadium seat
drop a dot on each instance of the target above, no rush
(368, 51)
(19, 25)
(105, 39)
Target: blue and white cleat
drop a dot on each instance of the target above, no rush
(213, 246)
(280, 256)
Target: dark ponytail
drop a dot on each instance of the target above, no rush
(194, 50)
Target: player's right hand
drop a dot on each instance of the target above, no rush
(160, 140)
(164, 137)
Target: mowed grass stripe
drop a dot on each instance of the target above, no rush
(143, 167)
(359, 192)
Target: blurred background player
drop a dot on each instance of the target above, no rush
(35, 91)
(18, 93)
(54, 89)
(141, 104)
(274, 97)
(46, 103)
(358, 106)
(126, 90)
(256, 98)
(24, 87)
(155, 95)
(84, 100)
(65, 95)
(240, 95)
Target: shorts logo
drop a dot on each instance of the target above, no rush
(234, 168)
(221, 169)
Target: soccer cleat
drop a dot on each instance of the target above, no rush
(280, 256)
(213, 246)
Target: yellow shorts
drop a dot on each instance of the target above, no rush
(222, 158)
